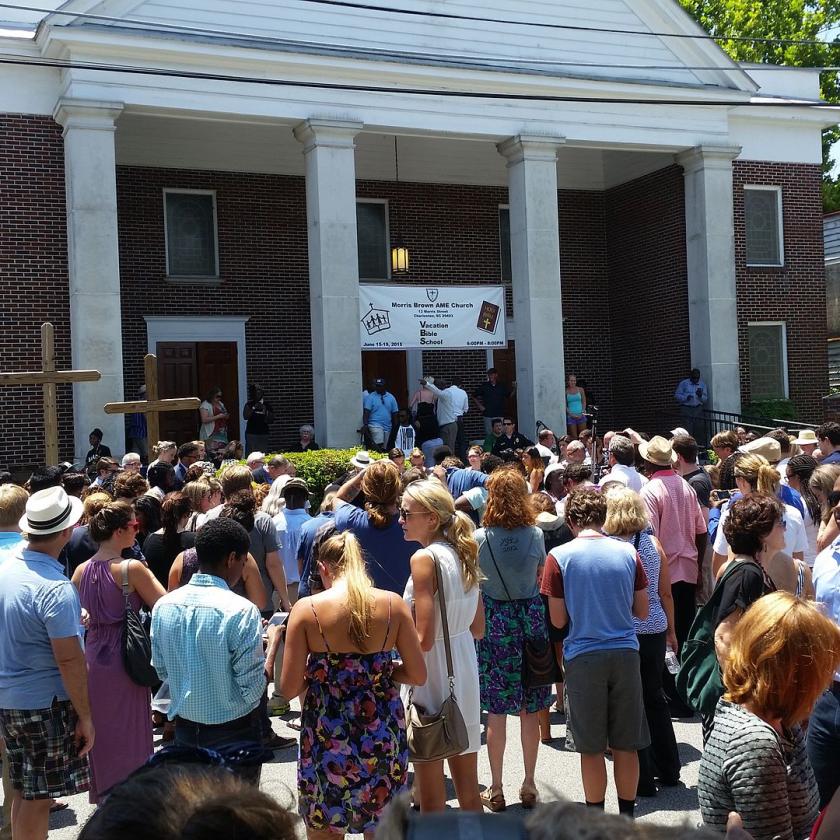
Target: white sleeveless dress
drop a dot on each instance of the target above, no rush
(460, 609)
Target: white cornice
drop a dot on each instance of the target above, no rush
(80, 44)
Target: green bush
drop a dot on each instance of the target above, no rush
(771, 410)
(320, 468)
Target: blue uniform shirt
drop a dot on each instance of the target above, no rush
(381, 407)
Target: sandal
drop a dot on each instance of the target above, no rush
(495, 802)
(528, 797)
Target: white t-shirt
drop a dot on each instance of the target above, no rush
(795, 536)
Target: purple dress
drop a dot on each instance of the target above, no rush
(120, 708)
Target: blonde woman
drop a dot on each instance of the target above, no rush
(754, 475)
(353, 756)
(164, 452)
(627, 520)
(428, 516)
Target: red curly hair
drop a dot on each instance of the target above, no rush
(507, 503)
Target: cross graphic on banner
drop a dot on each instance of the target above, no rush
(152, 406)
(48, 377)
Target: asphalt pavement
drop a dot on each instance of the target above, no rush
(558, 776)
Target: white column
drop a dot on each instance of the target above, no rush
(329, 154)
(535, 261)
(93, 265)
(710, 249)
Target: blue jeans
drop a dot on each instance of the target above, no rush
(823, 743)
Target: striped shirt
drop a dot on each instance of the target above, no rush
(207, 641)
(749, 768)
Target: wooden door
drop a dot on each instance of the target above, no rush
(216, 364)
(177, 377)
(504, 360)
(390, 365)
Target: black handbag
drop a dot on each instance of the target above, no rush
(539, 664)
(136, 645)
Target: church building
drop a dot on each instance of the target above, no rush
(215, 182)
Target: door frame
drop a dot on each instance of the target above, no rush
(209, 328)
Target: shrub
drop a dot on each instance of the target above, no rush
(321, 468)
(771, 410)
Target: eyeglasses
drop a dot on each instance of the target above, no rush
(404, 514)
(507, 424)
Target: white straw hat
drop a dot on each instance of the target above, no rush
(50, 511)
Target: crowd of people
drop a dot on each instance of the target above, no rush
(622, 580)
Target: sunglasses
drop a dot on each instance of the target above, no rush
(404, 514)
(507, 424)
(133, 523)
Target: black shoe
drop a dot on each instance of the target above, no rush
(278, 742)
(679, 710)
(669, 782)
(646, 790)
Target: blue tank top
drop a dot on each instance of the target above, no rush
(574, 403)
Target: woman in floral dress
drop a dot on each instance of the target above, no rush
(353, 756)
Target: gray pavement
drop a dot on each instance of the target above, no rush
(558, 775)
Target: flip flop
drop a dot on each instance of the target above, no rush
(58, 806)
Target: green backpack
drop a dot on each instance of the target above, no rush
(699, 681)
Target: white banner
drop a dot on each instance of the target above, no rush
(401, 317)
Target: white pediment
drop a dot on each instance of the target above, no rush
(305, 26)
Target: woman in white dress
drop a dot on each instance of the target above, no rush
(428, 516)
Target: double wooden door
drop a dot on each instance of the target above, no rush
(191, 369)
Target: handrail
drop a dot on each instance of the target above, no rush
(710, 422)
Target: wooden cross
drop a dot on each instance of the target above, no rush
(48, 377)
(152, 406)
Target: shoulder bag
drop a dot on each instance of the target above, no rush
(136, 645)
(539, 664)
(433, 737)
(699, 681)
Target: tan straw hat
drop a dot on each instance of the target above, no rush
(657, 451)
(806, 436)
(767, 447)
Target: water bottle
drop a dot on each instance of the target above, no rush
(671, 661)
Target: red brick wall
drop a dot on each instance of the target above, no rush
(33, 282)
(586, 298)
(794, 293)
(263, 266)
(648, 296)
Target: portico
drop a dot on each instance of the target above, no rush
(293, 141)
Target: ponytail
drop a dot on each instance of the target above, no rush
(359, 586)
(459, 533)
(768, 480)
(341, 553)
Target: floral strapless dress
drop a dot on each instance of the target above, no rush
(353, 756)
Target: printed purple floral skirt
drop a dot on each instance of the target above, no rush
(507, 625)
(353, 757)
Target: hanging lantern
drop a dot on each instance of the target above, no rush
(399, 259)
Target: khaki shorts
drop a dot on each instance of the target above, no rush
(605, 701)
